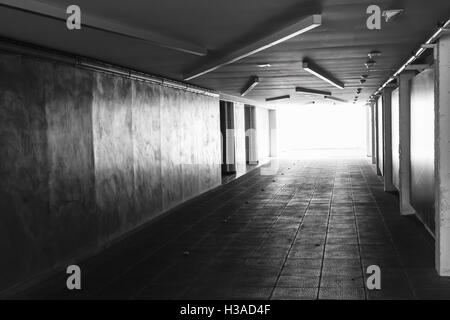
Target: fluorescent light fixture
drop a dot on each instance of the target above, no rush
(279, 98)
(444, 26)
(320, 74)
(253, 83)
(336, 99)
(374, 54)
(264, 65)
(312, 91)
(103, 23)
(370, 63)
(306, 24)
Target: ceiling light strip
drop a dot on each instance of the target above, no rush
(302, 26)
(415, 56)
(154, 37)
(253, 83)
(312, 91)
(278, 98)
(336, 99)
(307, 67)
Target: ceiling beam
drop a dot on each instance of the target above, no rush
(99, 23)
(302, 26)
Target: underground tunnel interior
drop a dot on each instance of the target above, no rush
(224, 149)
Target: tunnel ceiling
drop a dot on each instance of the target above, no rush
(339, 46)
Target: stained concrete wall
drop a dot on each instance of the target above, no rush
(422, 146)
(86, 157)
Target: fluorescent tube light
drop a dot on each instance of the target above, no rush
(312, 91)
(336, 99)
(278, 98)
(253, 83)
(309, 68)
(306, 24)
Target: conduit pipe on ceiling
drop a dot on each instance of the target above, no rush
(16, 47)
(140, 76)
(416, 55)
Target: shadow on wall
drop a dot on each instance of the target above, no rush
(86, 157)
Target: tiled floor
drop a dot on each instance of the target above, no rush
(307, 232)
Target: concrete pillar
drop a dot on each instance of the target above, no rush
(251, 145)
(228, 137)
(387, 142)
(442, 155)
(368, 132)
(239, 133)
(378, 137)
(273, 133)
(374, 135)
(405, 142)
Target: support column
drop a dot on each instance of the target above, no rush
(228, 139)
(377, 131)
(374, 135)
(273, 133)
(239, 133)
(405, 142)
(442, 156)
(368, 132)
(251, 145)
(387, 142)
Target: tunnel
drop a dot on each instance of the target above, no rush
(220, 150)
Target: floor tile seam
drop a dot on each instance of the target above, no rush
(326, 235)
(292, 244)
(394, 245)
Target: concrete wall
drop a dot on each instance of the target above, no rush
(395, 118)
(422, 146)
(86, 157)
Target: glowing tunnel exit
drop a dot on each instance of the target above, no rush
(321, 130)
